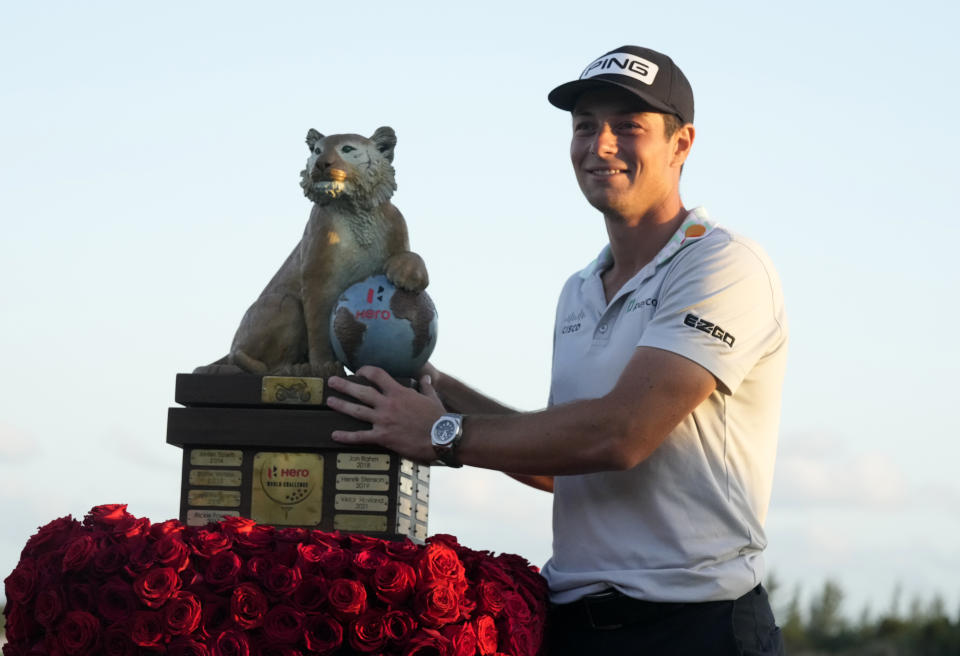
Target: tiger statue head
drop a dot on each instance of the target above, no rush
(350, 168)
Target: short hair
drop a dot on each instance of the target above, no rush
(671, 123)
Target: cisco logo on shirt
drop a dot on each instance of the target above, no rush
(710, 328)
(572, 322)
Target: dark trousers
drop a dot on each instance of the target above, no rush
(615, 625)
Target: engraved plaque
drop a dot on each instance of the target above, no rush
(215, 477)
(361, 523)
(421, 512)
(364, 461)
(291, 391)
(404, 506)
(423, 473)
(403, 526)
(423, 494)
(364, 502)
(216, 457)
(420, 532)
(287, 489)
(363, 482)
(221, 498)
(204, 517)
(406, 466)
(406, 485)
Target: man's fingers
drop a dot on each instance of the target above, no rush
(364, 393)
(426, 387)
(378, 377)
(355, 410)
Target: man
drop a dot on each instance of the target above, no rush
(659, 439)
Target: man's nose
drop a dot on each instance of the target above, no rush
(605, 142)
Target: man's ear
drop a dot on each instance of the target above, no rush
(683, 143)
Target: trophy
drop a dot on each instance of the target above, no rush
(254, 426)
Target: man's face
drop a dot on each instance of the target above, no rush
(624, 164)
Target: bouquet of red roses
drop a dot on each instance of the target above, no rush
(118, 585)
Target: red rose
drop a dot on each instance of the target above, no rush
(155, 586)
(365, 563)
(146, 628)
(516, 607)
(48, 606)
(141, 555)
(168, 528)
(222, 570)
(116, 600)
(327, 540)
(283, 624)
(348, 598)
(248, 605)
(80, 596)
(282, 581)
(20, 626)
(109, 558)
(256, 567)
(399, 625)
(445, 539)
(357, 542)
(394, 582)
(334, 562)
(79, 552)
(428, 642)
(368, 633)
(490, 597)
(247, 534)
(438, 604)
(117, 642)
(308, 557)
(322, 634)
(265, 648)
(520, 641)
(107, 516)
(441, 563)
(182, 613)
(216, 616)
(404, 550)
(187, 647)
(51, 536)
(206, 542)
(232, 643)
(311, 594)
(463, 637)
(79, 632)
(291, 534)
(171, 551)
(486, 634)
(22, 582)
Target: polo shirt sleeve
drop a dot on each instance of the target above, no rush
(720, 306)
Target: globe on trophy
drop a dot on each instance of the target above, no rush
(374, 323)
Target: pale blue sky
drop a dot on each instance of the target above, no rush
(148, 189)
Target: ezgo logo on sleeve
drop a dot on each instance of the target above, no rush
(710, 328)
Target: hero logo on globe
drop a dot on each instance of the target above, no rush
(623, 63)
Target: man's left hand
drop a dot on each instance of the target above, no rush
(401, 417)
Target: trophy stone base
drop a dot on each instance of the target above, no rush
(260, 447)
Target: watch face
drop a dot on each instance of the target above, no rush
(445, 431)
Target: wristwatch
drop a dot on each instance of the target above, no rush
(445, 437)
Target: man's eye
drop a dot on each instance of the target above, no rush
(348, 149)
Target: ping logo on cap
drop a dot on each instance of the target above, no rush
(623, 63)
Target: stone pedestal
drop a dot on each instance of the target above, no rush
(260, 447)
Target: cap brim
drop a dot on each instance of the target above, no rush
(565, 96)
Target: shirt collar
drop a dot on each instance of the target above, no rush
(696, 225)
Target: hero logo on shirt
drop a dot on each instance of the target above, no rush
(709, 328)
(623, 63)
(572, 322)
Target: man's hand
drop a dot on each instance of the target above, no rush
(401, 417)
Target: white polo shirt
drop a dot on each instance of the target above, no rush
(686, 524)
